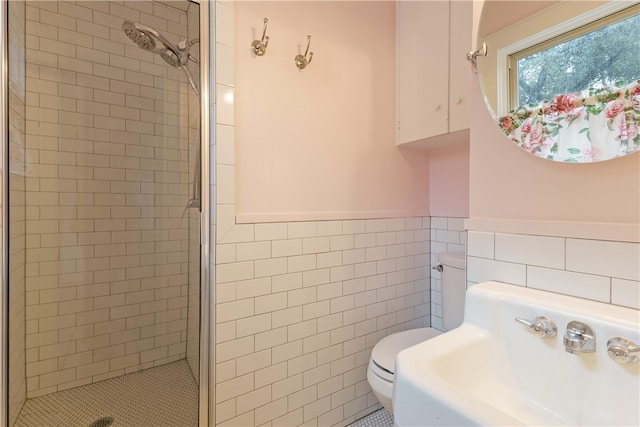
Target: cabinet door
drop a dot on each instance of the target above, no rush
(461, 19)
(422, 69)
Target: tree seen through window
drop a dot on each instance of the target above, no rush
(599, 58)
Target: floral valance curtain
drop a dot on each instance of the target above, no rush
(593, 125)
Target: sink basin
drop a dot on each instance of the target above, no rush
(492, 371)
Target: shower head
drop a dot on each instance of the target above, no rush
(170, 57)
(177, 56)
(176, 61)
(146, 38)
(141, 35)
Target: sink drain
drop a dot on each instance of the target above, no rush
(102, 422)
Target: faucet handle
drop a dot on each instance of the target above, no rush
(623, 350)
(540, 326)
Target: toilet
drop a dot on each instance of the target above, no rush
(383, 356)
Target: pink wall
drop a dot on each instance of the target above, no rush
(449, 181)
(507, 183)
(319, 143)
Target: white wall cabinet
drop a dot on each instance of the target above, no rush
(433, 75)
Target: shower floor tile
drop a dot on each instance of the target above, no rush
(166, 395)
(380, 418)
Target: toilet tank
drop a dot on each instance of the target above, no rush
(453, 288)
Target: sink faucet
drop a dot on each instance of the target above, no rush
(579, 338)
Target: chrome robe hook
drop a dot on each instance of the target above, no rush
(301, 60)
(260, 46)
(473, 56)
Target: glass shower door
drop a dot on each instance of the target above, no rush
(104, 256)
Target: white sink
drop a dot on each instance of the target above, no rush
(493, 371)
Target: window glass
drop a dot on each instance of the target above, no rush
(596, 55)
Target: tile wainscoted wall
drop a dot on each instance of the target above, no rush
(299, 307)
(605, 271)
(447, 235)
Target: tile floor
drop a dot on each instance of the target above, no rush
(380, 418)
(166, 395)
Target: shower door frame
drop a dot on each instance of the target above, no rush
(205, 393)
(206, 264)
(4, 189)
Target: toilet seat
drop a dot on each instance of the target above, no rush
(382, 363)
(383, 355)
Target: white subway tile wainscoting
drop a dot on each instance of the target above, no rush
(447, 235)
(599, 270)
(299, 307)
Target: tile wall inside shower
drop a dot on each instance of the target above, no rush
(107, 182)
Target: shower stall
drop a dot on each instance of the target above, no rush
(105, 235)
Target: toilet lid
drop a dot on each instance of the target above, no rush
(384, 353)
